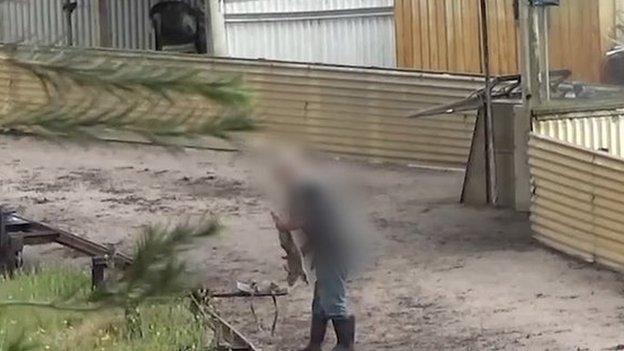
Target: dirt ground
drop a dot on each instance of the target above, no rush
(451, 277)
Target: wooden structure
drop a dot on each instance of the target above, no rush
(444, 35)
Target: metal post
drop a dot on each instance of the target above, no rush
(529, 55)
(489, 125)
(210, 51)
(98, 265)
(68, 7)
(542, 31)
(4, 235)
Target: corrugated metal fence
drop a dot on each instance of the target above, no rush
(578, 201)
(338, 109)
(43, 22)
(601, 129)
(349, 32)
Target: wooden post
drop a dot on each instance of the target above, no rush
(542, 18)
(67, 7)
(106, 39)
(529, 55)
(490, 157)
(98, 266)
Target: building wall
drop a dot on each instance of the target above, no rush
(444, 35)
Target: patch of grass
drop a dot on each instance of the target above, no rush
(164, 326)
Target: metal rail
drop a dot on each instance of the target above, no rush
(31, 232)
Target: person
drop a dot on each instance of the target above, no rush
(313, 210)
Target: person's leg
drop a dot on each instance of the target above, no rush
(333, 299)
(318, 327)
(345, 332)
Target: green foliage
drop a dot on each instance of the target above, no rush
(157, 272)
(140, 308)
(157, 269)
(86, 95)
(28, 328)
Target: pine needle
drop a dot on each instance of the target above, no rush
(158, 271)
(86, 94)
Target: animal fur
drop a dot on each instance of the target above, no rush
(294, 259)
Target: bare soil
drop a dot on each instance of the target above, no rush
(451, 277)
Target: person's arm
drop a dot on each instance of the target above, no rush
(285, 225)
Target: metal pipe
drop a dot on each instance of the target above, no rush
(67, 7)
(543, 25)
(487, 106)
(208, 28)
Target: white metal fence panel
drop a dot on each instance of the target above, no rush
(43, 22)
(281, 6)
(347, 32)
(601, 129)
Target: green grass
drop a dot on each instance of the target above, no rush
(166, 326)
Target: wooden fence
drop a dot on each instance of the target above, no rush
(444, 35)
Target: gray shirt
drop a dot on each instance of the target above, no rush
(322, 222)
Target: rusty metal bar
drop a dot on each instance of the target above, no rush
(36, 233)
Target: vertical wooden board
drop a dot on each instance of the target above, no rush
(474, 39)
(449, 19)
(434, 52)
(590, 67)
(565, 40)
(595, 30)
(416, 35)
(509, 42)
(407, 34)
(494, 22)
(425, 19)
(607, 18)
(460, 36)
(557, 35)
(576, 39)
(441, 25)
(576, 21)
(399, 28)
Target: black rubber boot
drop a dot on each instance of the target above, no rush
(345, 333)
(317, 333)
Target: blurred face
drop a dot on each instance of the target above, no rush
(284, 173)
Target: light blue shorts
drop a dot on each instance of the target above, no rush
(330, 293)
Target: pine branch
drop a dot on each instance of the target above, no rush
(86, 94)
(157, 272)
